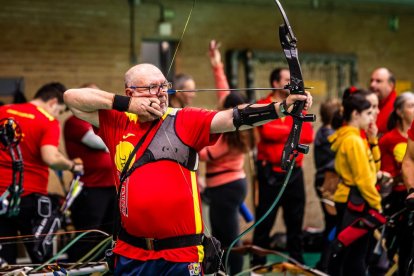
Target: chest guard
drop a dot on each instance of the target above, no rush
(166, 145)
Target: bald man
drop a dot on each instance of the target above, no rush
(161, 225)
(383, 84)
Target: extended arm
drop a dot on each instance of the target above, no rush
(218, 72)
(57, 161)
(223, 121)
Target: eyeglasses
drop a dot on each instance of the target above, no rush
(154, 89)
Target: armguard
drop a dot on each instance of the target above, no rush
(248, 115)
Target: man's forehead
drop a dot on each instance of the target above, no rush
(154, 81)
(380, 74)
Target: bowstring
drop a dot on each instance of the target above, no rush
(181, 38)
(169, 142)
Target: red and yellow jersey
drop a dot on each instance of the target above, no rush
(97, 162)
(160, 199)
(39, 128)
(274, 135)
(393, 146)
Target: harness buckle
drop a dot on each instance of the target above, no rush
(150, 243)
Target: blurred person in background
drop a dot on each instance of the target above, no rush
(39, 148)
(393, 146)
(93, 208)
(272, 139)
(226, 183)
(356, 194)
(182, 99)
(326, 179)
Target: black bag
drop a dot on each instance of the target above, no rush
(50, 221)
(212, 255)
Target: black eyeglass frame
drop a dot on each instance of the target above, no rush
(163, 86)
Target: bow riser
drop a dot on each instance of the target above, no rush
(296, 86)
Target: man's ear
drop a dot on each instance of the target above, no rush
(52, 102)
(129, 92)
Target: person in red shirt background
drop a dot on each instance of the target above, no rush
(383, 84)
(272, 138)
(393, 146)
(39, 147)
(226, 183)
(408, 178)
(182, 99)
(93, 208)
(408, 169)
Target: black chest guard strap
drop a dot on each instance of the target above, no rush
(251, 115)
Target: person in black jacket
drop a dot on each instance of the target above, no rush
(324, 159)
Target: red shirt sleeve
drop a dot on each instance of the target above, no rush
(387, 159)
(76, 128)
(193, 127)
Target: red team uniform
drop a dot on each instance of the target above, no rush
(93, 208)
(152, 206)
(38, 128)
(97, 163)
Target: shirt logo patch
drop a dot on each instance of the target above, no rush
(128, 135)
(194, 269)
(122, 152)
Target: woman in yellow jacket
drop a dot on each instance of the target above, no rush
(356, 192)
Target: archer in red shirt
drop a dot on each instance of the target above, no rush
(159, 200)
(39, 147)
